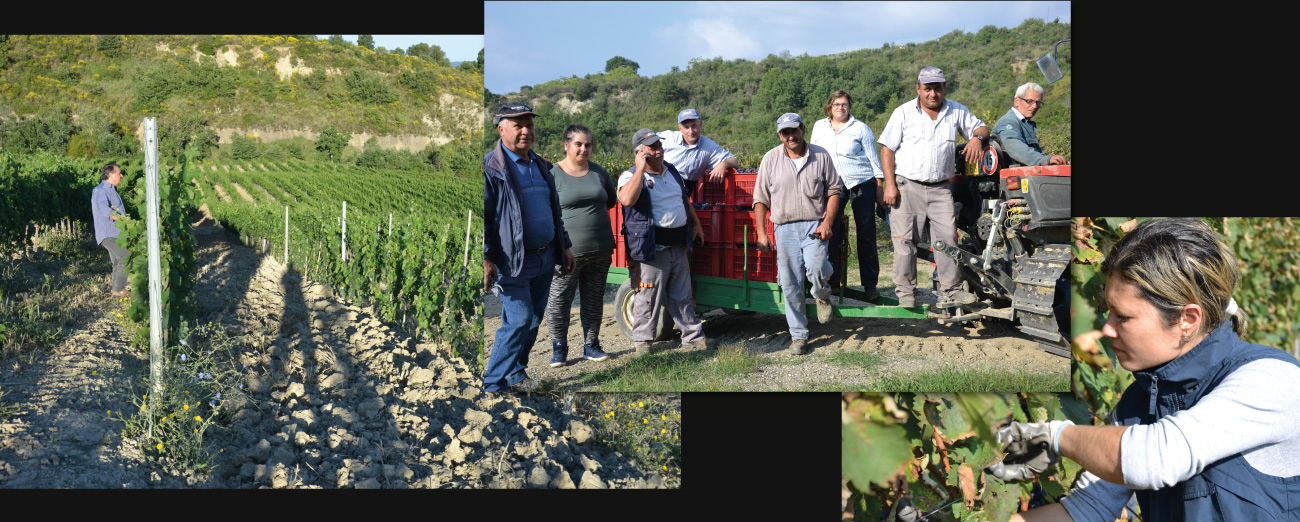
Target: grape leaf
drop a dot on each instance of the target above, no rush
(872, 452)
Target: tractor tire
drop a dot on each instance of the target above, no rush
(623, 310)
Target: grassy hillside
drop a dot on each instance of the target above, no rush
(739, 100)
(80, 92)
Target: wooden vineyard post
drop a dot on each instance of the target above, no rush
(343, 245)
(465, 260)
(155, 270)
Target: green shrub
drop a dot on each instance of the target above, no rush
(243, 147)
(367, 87)
(332, 141)
(110, 44)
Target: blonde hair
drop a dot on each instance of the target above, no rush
(1175, 262)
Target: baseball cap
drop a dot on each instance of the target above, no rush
(512, 110)
(644, 137)
(788, 120)
(688, 114)
(931, 75)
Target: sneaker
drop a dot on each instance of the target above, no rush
(526, 385)
(824, 311)
(907, 301)
(702, 344)
(798, 346)
(593, 353)
(559, 353)
(642, 348)
(957, 299)
(873, 295)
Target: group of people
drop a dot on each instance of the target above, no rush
(549, 230)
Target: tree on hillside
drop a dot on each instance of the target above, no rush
(110, 44)
(431, 53)
(480, 59)
(619, 61)
(182, 131)
(337, 39)
(331, 141)
(367, 41)
(243, 147)
(397, 50)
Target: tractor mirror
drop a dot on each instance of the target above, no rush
(1047, 64)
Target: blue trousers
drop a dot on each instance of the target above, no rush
(523, 303)
(797, 257)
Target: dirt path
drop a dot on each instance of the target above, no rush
(904, 346)
(221, 193)
(336, 400)
(243, 193)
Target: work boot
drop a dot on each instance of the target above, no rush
(907, 301)
(701, 344)
(873, 294)
(526, 385)
(957, 298)
(642, 348)
(824, 311)
(559, 353)
(798, 347)
(592, 352)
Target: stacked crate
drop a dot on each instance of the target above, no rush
(725, 210)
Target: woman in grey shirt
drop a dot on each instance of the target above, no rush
(586, 195)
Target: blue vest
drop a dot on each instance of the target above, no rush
(638, 222)
(1229, 489)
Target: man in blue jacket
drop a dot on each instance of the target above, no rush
(1018, 134)
(106, 207)
(522, 244)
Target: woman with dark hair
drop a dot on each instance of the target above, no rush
(586, 195)
(1209, 429)
(853, 152)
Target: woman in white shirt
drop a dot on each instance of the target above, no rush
(853, 151)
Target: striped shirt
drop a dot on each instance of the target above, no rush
(925, 150)
(853, 150)
(692, 161)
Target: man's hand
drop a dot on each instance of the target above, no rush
(489, 274)
(764, 242)
(1028, 448)
(641, 159)
(718, 173)
(889, 196)
(824, 231)
(974, 149)
(699, 233)
(1057, 160)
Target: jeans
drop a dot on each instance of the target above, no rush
(117, 255)
(523, 302)
(863, 199)
(798, 256)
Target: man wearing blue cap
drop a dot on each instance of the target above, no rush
(798, 182)
(693, 154)
(523, 242)
(920, 140)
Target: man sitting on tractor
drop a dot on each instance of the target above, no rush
(1018, 133)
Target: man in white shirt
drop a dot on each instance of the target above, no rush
(920, 140)
(694, 154)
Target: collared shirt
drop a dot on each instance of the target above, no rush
(103, 201)
(692, 161)
(1019, 137)
(797, 194)
(853, 150)
(535, 198)
(666, 207)
(925, 150)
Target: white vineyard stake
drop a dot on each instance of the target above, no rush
(343, 245)
(286, 235)
(390, 224)
(468, 222)
(155, 270)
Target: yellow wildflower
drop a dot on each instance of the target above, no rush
(197, 418)
(640, 404)
(94, 372)
(662, 430)
(663, 417)
(159, 445)
(645, 421)
(186, 406)
(110, 412)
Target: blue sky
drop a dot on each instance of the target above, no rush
(534, 42)
(459, 47)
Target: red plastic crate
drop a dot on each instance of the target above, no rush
(761, 265)
(734, 227)
(742, 188)
(711, 224)
(707, 261)
(705, 192)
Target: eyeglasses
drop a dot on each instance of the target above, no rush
(1038, 103)
(839, 105)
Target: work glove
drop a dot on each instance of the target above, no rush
(903, 511)
(1030, 448)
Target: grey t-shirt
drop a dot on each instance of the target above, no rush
(584, 205)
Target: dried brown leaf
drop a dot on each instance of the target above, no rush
(967, 479)
(1088, 341)
(1128, 226)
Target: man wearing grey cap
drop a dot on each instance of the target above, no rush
(798, 182)
(658, 226)
(523, 242)
(693, 154)
(920, 140)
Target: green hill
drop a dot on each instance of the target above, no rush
(86, 95)
(739, 100)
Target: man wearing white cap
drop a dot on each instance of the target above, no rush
(920, 140)
(694, 154)
(798, 182)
